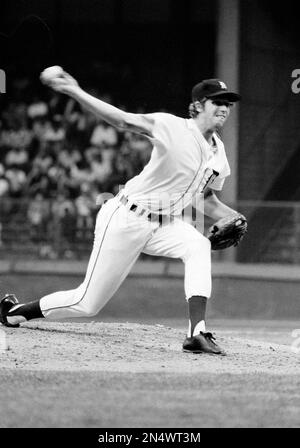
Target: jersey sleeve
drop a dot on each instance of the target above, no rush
(162, 130)
(222, 167)
(218, 183)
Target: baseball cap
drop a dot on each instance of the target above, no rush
(213, 88)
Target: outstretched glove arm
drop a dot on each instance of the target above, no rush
(214, 208)
(229, 227)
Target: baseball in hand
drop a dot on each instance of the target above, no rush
(51, 72)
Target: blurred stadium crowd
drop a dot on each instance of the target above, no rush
(55, 160)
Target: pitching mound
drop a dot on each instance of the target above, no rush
(128, 347)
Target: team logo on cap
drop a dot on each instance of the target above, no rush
(223, 85)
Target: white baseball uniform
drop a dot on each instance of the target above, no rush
(182, 165)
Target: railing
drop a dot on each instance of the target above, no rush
(37, 231)
(273, 236)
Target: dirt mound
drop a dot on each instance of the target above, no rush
(128, 347)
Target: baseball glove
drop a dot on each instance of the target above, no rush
(227, 231)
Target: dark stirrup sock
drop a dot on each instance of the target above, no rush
(197, 310)
(31, 310)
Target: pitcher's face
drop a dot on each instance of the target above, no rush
(216, 112)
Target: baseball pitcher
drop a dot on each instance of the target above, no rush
(188, 161)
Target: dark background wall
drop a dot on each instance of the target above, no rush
(269, 112)
(146, 53)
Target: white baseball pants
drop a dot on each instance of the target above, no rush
(120, 236)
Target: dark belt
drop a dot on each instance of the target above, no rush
(150, 216)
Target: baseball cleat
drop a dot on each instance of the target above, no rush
(202, 343)
(8, 301)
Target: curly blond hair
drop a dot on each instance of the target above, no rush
(193, 112)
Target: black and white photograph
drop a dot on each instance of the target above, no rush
(149, 218)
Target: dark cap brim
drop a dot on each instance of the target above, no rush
(229, 96)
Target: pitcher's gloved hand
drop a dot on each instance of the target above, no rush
(228, 231)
